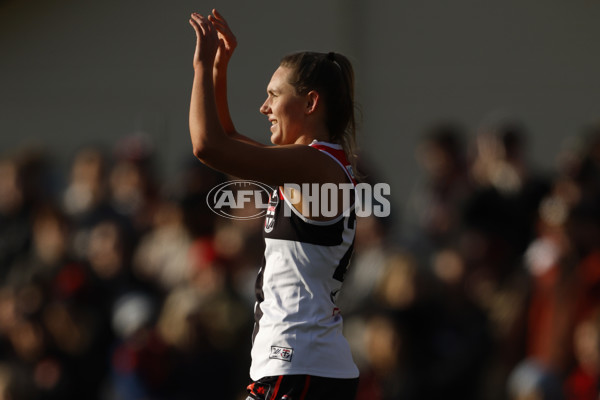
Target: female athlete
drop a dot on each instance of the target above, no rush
(298, 350)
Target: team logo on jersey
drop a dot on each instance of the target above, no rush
(239, 199)
(281, 353)
(270, 218)
(350, 171)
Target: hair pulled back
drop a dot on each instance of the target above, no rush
(332, 76)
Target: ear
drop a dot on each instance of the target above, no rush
(312, 101)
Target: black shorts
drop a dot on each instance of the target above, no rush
(302, 387)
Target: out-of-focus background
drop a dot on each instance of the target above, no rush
(116, 281)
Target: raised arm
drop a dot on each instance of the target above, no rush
(227, 46)
(205, 126)
(277, 165)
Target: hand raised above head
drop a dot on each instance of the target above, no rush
(227, 40)
(207, 41)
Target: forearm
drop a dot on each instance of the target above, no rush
(222, 104)
(220, 85)
(206, 131)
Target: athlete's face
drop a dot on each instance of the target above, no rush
(284, 107)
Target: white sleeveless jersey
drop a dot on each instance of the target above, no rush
(298, 328)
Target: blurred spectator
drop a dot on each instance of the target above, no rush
(502, 207)
(14, 223)
(531, 380)
(162, 256)
(193, 187)
(583, 380)
(49, 248)
(384, 378)
(579, 162)
(367, 265)
(432, 215)
(86, 189)
(131, 182)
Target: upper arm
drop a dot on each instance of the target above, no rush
(272, 165)
(238, 136)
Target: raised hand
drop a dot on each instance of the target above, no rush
(207, 41)
(227, 40)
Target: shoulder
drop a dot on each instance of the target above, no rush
(337, 153)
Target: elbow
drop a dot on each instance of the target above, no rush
(204, 149)
(200, 151)
(206, 146)
(199, 143)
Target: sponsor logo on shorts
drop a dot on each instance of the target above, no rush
(281, 353)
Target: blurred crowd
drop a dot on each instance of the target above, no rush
(115, 285)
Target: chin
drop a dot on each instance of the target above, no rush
(275, 139)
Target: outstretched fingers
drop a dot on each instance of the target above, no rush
(221, 24)
(207, 41)
(228, 41)
(217, 18)
(195, 25)
(206, 26)
(200, 22)
(218, 15)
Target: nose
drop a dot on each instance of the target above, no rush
(264, 109)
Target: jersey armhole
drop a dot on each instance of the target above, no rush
(350, 178)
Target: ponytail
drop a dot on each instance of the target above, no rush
(332, 76)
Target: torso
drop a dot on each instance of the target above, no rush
(298, 327)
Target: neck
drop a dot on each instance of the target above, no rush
(319, 134)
